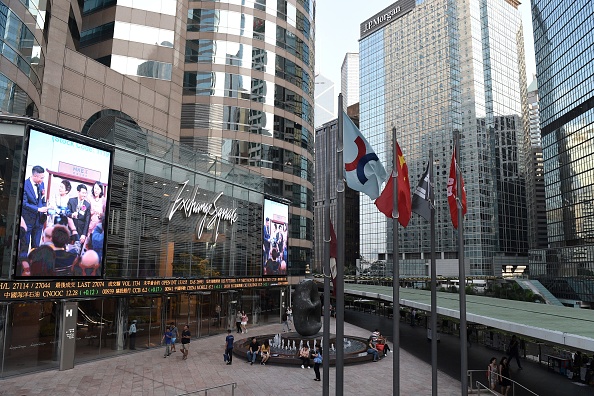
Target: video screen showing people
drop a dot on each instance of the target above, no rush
(63, 211)
(275, 238)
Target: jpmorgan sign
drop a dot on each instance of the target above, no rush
(386, 16)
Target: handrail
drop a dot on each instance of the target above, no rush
(514, 383)
(233, 385)
(480, 385)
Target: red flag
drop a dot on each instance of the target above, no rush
(385, 202)
(453, 192)
(333, 255)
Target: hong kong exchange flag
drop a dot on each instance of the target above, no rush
(385, 203)
(363, 170)
(453, 192)
(422, 199)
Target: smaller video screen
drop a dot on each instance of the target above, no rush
(275, 238)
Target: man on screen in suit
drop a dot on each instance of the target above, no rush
(266, 240)
(80, 212)
(34, 206)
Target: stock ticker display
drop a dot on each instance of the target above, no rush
(79, 288)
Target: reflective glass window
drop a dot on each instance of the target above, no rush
(141, 67)
(143, 34)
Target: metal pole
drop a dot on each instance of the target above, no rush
(326, 264)
(340, 254)
(462, 277)
(395, 276)
(433, 282)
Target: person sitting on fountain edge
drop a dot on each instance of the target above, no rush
(253, 351)
(304, 356)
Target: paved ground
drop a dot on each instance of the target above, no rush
(148, 373)
(535, 377)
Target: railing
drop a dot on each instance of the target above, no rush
(483, 373)
(204, 391)
(483, 388)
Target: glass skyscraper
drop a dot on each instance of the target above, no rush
(428, 68)
(349, 79)
(565, 68)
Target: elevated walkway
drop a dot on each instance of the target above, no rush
(537, 288)
(570, 327)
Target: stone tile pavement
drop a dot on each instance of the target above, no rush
(148, 373)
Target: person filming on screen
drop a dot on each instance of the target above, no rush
(80, 212)
(34, 206)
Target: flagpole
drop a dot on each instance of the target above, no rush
(395, 276)
(327, 271)
(433, 282)
(462, 277)
(340, 187)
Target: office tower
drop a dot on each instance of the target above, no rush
(325, 99)
(562, 34)
(232, 78)
(429, 68)
(326, 168)
(535, 190)
(349, 79)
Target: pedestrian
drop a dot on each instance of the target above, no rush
(253, 351)
(504, 379)
(167, 341)
(229, 340)
(285, 319)
(174, 335)
(492, 373)
(244, 321)
(304, 356)
(185, 341)
(238, 321)
(290, 315)
(372, 350)
(318, 359)
(514, 350)
(265, 352)
(413, 317)
(132, 335)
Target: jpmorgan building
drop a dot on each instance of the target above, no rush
(177, 237)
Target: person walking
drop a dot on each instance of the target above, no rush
(492, 373)
(167, 341)
(238, 316)
(174, 334)
(318, 359)
(132, 335)
(229, 340)
(514, 351)
(285, 320)
(244, 321)
(185, 341)
(290, 315)
(504, 379)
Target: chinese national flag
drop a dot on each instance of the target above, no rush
(453, 192)
(385, 202)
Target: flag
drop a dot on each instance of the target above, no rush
(333, 255)
(363, 170)
(423, 195)
(453, 192)
(385, 203)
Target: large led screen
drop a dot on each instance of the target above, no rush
(64, 208)
(274, 238)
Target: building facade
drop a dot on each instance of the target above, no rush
(429, 68)
(562, 32)
(325, 169)
(349, 79)
(325, 99)
(226, 90)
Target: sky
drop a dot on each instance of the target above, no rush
(337, 32)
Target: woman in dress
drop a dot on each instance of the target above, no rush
(97, 206)
(504, 376)
(492, 373)
(60, 202)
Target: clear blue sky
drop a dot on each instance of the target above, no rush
(337, 32)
